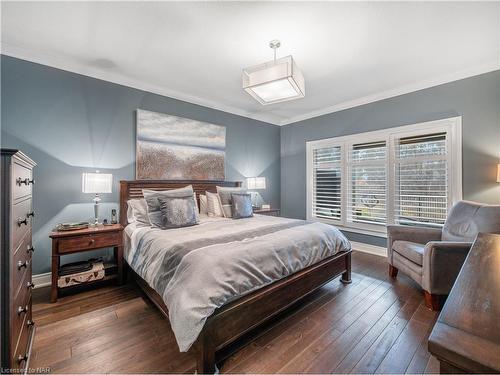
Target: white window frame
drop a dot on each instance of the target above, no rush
(453, 128)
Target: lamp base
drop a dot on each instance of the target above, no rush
(96, 209)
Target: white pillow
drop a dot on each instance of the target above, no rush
(214, 207)
(137, 211)
(203, 205)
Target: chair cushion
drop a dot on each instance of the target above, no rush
(466, 219)
(410, 250)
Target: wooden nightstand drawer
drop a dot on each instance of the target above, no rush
(267, 211)
(89, 241)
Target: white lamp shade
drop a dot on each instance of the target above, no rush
(274, 81)
(256, 183)
(97, 182)
(498, 172)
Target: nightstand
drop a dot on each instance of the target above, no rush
(92, 238)
(267, 211)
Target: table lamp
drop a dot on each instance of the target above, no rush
(256, 183)
(97, 183)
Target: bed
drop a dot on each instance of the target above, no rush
(260, 292)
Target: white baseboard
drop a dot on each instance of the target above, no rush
(370, 249)
(42, 279)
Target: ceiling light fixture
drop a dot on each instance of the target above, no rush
(274, 81)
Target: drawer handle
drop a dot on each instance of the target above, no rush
(20, 181)
(91, 242)
(30, 323)
(30, 214)
(21, 310)
(22, 221)
(30, 249)
(30, 285)
(26, 181)
(24, 264)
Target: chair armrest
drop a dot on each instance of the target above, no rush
(407, 233)
(442, 262)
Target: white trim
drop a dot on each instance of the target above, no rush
(42, 280)
(403, 90)
(56, 62)
(451, 126)
(369, 249)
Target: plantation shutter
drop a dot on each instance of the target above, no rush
(327, 182)
(367, 183)
(421, 180)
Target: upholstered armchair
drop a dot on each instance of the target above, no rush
(433, 257)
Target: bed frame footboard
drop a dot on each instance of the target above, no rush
(232, 321)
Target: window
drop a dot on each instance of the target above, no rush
(409, 175)
(327, 182)
(421, 176)
(366, 166)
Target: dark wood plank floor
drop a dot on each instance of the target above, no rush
(374, 325)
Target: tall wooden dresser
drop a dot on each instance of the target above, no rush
(16, 205)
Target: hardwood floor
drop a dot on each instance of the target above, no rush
(374, 325)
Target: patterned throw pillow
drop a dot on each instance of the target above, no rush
(177, 212)
(225, 198)
(242, 205)
(154, 209)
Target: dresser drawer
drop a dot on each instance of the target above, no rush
(22, 180)
(90, 241)
(21, 220)
(21, 263)
(20, 312)
(22, 340)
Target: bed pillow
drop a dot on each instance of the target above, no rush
(242, 205)
(214, 208)
(154, 209)
(226, 200)
(203, 205)
(137, 211)
(178, 212)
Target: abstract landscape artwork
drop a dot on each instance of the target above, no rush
(175, 148)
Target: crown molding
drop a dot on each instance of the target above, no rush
(74, 67)
(407, 89)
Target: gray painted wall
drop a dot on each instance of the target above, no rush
(476, 99)
(70, 123)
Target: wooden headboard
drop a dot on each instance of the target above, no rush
(133, 189)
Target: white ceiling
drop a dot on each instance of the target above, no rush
(349, 53)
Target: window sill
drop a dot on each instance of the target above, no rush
(381, 233)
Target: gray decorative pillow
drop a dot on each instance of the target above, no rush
(177, 212)
(242, 205)
(154, 209)
(225, 198)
